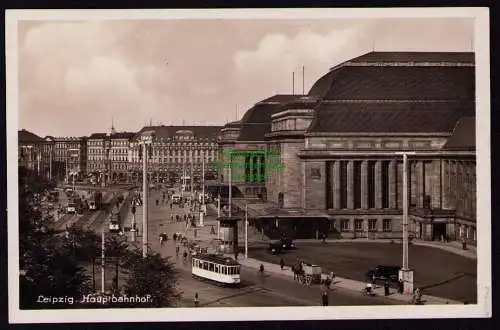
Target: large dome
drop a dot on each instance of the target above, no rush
(386, 92)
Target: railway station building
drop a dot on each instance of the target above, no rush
(340, 148)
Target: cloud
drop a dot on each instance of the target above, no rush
(74, 76)
(268, 66)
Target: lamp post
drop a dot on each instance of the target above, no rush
(405, 274)
(103, 262)
(230, 184)
(202, 213)
(146, 140)
(191, 175)
(246, 231)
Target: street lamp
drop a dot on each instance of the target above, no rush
(146, 140)
(405, 274)
(203, 206)
(246, 231)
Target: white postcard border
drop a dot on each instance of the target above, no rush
(481, 309)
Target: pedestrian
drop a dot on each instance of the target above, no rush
(174, 236)
(324, 298)
(400, 286)
(282, 263)
(386, 288)
(373, 279)
(196, 300)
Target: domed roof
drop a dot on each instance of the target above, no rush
(256, 122)
(233, 124)
(396, 92)
(399, 76)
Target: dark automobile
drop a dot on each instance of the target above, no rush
(287, 243)
(384, 273)
(275, 247)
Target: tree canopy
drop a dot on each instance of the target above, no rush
(155, 276)
(52, 263)
(45, 267)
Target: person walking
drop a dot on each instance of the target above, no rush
(386, 288)
(196, 300)
(282, 263)
(324, 298)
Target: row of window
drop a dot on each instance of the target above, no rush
(177, 152)
(345, 225)
(216, 268)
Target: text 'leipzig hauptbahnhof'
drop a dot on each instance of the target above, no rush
(325, 162)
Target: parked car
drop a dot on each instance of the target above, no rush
(384, 273)
(275, 247)
(287, 243)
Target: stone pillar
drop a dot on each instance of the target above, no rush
(378, 184)
(256, 169)
(393, 203)
(350, 184)
(336, 184)
(399, 184)
(420, 183)
(444, 191)
(428, 231)
(364, 185)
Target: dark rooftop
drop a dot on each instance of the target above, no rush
(256, 122)
(463, 136)
(25, 136)
(200, 132)
(450, 57)
(97, 136)
(233, 124)
(396, 83)
(123, 135)
(390, 117)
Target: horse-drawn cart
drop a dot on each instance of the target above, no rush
(310, 274)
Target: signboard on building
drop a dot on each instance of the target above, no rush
(315, 173)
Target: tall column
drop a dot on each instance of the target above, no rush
(399, 184)
(393, 189)
(420, 180)
(378, 184)
(364, 184)
(336, 184)
(444, 174)
(350, 184)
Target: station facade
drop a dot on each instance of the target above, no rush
(340, 148)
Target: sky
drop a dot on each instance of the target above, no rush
(75, 78)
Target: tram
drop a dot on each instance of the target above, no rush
(216, 269)
(114, 222)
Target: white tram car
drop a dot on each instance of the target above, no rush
(215, 268)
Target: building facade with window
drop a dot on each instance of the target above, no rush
(340, 146)
(69, 157)
(32, 152)
(242, 146)
(176, 151)
(108, 156)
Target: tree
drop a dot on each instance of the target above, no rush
(116, 248)
(44, 266)
(154, 275)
